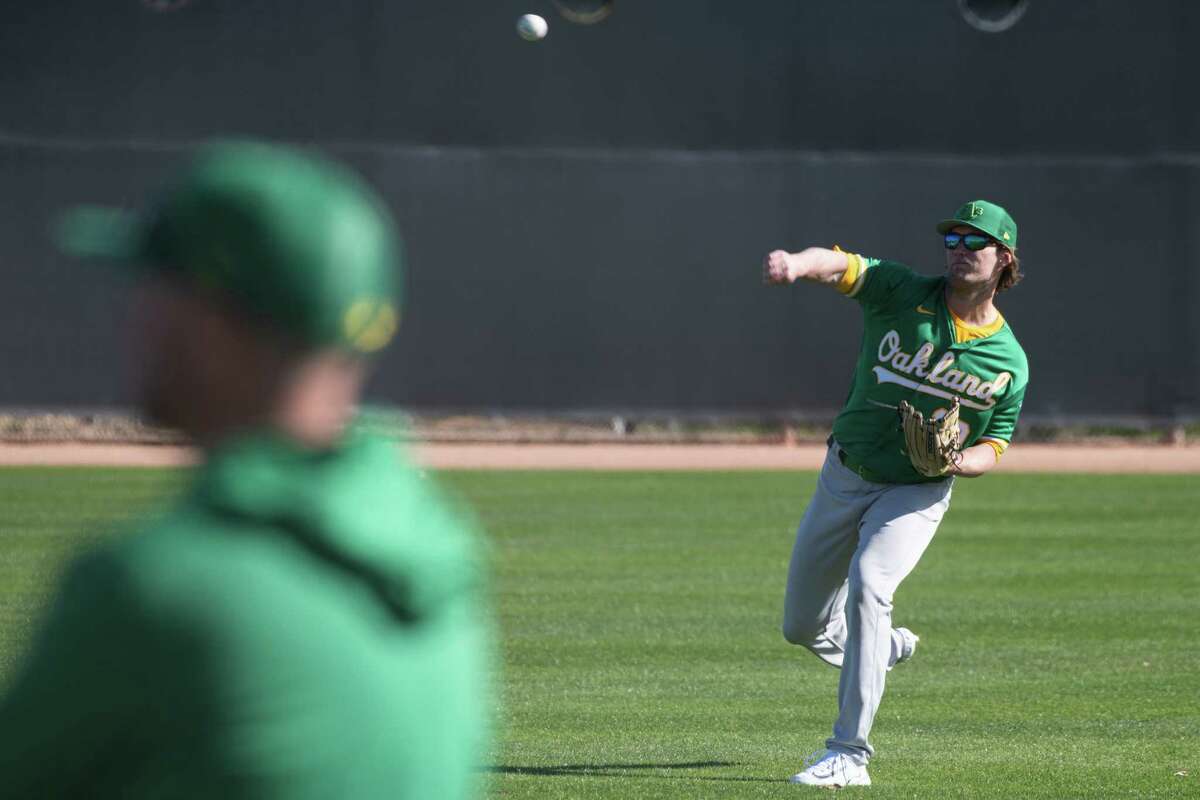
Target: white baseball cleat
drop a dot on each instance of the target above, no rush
(908, 647)
(832, 771)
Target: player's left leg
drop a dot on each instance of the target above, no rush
(815, 600)
(893, 535)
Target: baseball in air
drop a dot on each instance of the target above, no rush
(532, 28)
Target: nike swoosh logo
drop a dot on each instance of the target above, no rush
(924, 310)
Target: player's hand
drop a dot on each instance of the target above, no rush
(779, 267)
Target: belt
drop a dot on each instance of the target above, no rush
(863, 471)
(858, 468)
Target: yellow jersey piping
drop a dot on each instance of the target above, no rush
(999, 445)
(856, 271)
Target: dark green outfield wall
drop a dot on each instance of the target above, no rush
(585, 216)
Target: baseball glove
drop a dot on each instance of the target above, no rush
(933, 445)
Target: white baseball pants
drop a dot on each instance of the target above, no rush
(857, 541)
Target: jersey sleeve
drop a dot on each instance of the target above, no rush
(878, 284)
(855, 274)
(1004, 422)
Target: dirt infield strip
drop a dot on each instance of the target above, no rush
(1022, 458)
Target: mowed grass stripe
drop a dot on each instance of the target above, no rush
(1059, 615)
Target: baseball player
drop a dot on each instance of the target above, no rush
(936, 394)
(307, 621)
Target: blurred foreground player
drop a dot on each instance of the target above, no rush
(936, 350)
(307, 623)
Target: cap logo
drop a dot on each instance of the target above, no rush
(370, 324)
(974, 210)
(1006, 236)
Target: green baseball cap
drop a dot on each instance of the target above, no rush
(294, 240)
(986, 217)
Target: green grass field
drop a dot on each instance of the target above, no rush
(1059, 615)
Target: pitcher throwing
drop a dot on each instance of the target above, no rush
(936, 394)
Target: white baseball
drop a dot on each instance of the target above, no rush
(532, 28)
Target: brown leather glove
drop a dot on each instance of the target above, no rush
(933, 445)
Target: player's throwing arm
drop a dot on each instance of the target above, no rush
(814, 264)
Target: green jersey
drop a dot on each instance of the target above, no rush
(914, 348)
(302, 625)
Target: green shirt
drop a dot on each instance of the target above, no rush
(914, 349)
(302, 625)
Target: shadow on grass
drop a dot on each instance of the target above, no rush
(624, 770)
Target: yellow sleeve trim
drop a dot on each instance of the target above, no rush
(851, 280)
(965, 332)
(998, 445)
